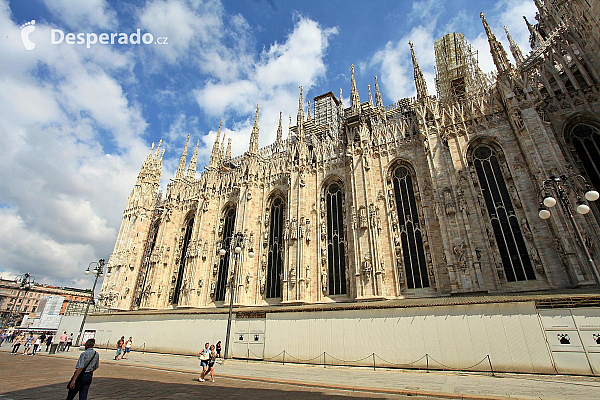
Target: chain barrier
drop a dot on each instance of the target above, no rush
(373, 356)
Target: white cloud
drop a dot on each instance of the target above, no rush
(272, 81)
(80, 14)
(61, 192)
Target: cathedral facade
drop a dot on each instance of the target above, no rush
(432, 196)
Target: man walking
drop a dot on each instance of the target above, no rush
(48, 342)
(88, 362)
(69, 342)
(120, 344)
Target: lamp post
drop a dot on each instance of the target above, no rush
(99, 272)
(25, 282)
(560, 187)
(237, 244)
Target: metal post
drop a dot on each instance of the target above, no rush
(427, 362)
(581, 241)
(284, 357)
(87, 307)
(323, 359)
(490, 362)
(231, 290)
(373, 361)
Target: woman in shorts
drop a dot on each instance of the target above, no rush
(204, 357)
(127, 348)
(212, 357)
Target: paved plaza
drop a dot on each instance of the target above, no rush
(160, 376)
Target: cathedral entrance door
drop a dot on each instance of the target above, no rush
(249, 338)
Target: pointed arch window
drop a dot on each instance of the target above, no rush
(505, 224)
(411, 236)
(585, 139)
(182, 259)
(228, 224)
(336, 240)
(275, 249)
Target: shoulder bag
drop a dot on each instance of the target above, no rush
(78, 380)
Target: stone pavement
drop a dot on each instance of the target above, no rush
(361, 382)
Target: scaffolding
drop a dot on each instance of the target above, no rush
(457, 72)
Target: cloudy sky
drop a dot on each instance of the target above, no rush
(77, 122)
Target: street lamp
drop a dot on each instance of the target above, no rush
(99, 272)
(560, 186)
(25, 282)
(238, 242)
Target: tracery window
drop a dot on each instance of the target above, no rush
(274, 256)
(182, 259)
(586, 142)
(505, 224)
(411, 236)
(336, 241)
(228, 223)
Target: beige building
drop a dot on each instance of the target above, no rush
(427, 197)
(19, 301)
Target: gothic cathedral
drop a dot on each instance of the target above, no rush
(436, 195)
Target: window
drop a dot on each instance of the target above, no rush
(336, 251)
(186, 241)
(275, 249)
(505, 224)
(586, 142)
(228, 224)
(411, 237)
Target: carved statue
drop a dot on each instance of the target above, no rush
(515, 197)
(324, 280)
(449, 202)
(525, 228)
(362, 217)
(213, 288)
(323, 231)
(294, 229)
(308, 231)
(293, 276)
(262, 283)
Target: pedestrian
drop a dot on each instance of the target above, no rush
(204, 357)
(69, 342)
(212, 357)
(120, 345)
(127, 348)
(62, 341)
(28, 344)
(48, 342)
(88, 362)
(36, 345)
(218, 349)
(42, 338)
(17, 343)
(13, 336)
(3, 338)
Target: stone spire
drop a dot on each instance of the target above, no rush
(341, 99)
(378, 98)
(214, 156)
(498, 53)
(191, 172)
(300, 116)
(182, 160)
(535, 39)
(308, 116)
(253, 149)
(420, 83)
(157, 150)
(370, 95)
(222, 149)
(279, 138)
(228, 152)
(354, 97)
(514, 48)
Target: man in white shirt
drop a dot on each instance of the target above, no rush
(90, 361)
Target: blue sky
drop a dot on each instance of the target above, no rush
(77, 122)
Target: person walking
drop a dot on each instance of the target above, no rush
(127, 348)
(88, 362)
(120, 345)
(48, 342)
(218, 349)
(17, 343)
(36, 345)
(69, 342)
(3, 337)
(62, 341)
(204, 357)
(212, 357)
(28, 344)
